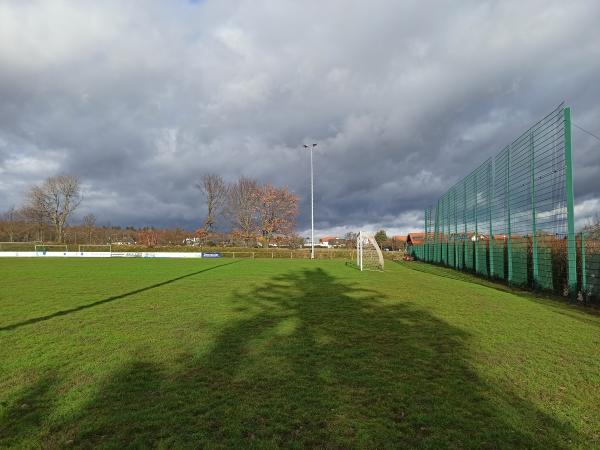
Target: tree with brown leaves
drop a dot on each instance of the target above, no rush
(202, 235)
(277, 211)
(147, 237)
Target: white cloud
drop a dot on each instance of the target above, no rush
(404, 98)
(586, 211)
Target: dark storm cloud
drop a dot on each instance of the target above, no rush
(141, 98)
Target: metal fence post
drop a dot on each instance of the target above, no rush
(465, 240)
(442, 229)
(534, 243)
(426, 240)
(455, 232)
(448, 204)
(508, 200)
(583, 265)
(476, 227)
(491, 235)
(431, 238)
(571, 246)
(436, 237)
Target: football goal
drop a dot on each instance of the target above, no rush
(368, 253)
(95, 248)
(42, 249)
(18, 246)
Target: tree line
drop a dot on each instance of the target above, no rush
(243, 212)
(254, 212)
(46, 206)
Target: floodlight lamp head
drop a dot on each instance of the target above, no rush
(305, 146)
(314, 145)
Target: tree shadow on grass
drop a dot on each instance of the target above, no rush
(316, 362)
(23, 418)
(106, 300)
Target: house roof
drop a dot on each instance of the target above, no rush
(415, 238)
(327, 238)
(399, 238)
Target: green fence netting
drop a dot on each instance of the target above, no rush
(512, 218)
(589, 263)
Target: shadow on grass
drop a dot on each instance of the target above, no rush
(106, 300)
(316, 362)
(24, 418)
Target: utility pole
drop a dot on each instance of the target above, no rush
(312, 210)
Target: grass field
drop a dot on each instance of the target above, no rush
(143, 353)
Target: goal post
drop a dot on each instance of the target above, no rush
(368, 253)
(18, 246)
(50, 248)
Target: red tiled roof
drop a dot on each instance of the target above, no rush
(327, 239)
(415, 238)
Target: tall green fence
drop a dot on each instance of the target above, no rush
(512, 218)
(589, 263)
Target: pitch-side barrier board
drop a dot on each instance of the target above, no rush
(100, 255)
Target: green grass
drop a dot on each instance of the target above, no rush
(115, 353)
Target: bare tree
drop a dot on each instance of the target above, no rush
(56, 198)
(350, 238)
(33, 212)
(242, 207)
(10, 221)
(215, 191)
(89, 225)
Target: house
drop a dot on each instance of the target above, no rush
(331, 242)
(415, 238)
(307, 243)
(398, 242)
(193, 241)
(324, 241)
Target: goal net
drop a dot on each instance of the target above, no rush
(42, 249)
(368, 253)
(25, 246)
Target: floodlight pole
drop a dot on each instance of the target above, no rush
(312, 209)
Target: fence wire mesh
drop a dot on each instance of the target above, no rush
(589, 263)
(511, 218)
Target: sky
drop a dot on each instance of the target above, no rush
(404, 98)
